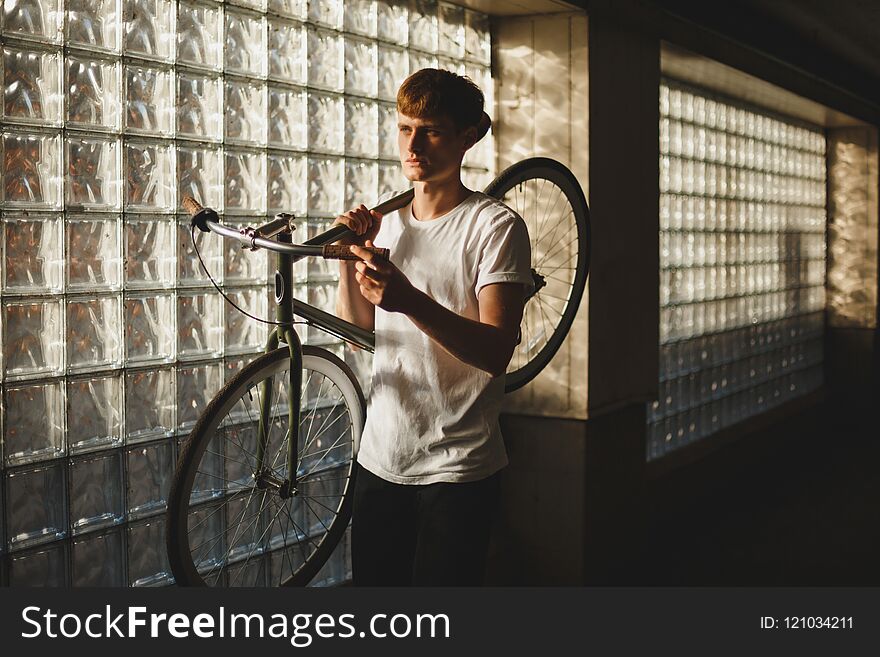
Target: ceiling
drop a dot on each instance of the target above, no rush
(837, 41)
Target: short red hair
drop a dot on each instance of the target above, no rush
(433, 92)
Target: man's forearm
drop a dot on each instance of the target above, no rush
(350, 303)
(480, 345)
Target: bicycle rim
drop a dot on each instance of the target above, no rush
(229, 521)
(549, 199)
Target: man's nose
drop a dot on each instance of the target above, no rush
(415, 141)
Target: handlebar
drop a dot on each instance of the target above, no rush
(321, 245)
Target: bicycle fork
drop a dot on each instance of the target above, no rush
(284, 332)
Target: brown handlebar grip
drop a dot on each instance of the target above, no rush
(343, 252)
(192, 206)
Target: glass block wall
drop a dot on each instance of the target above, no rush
(742, 264)
(113, 339)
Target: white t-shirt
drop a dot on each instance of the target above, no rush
(431, 417)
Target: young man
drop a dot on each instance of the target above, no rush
(446, 311)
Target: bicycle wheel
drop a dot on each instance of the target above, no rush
(230, 521)
(550, 200)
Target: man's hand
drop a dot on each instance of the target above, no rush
(364, 222)
(381, 283)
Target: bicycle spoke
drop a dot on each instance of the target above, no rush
(233, 529)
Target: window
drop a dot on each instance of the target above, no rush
(742, 264)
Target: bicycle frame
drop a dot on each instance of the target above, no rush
(276, 236)
(286, 306)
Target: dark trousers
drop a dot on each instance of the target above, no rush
(421, 535)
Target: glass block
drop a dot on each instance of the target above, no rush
(392, 21)
(326, 64)
(94, 257)
(189, 268)
(199, 35)
(149, 100)
(93, 332)
(42, 568)
(451, 32)
(93, 181)
(94, 24)
(199, 107)
(291, 8)
(150, 251)
(200, 176)
(99, 560)
(32, 253)
(149, 404)
(32, 340)
(282, 563)
(362, 119)
(94, 413)
(149, 328)
(259, 5)
(326, 12)
(454, 65)
(287, 118)
(93, 93)
(419, 60)
(32, 170)
(359, 16)
(388, 132)
(199, 325)
(32, 86)
(326, 116)
(35, 505)
(242, 333)
(314, 269)
(244, 266)
(360, 67)
(287, 183)
(321, 294)
(33, 423)
(195, 388)
(423, 26)
(391, 179)
(245, 112)
(147, 556)
(393, 64)
(325, 185)
(253, 573)
(361, 183)
(149, 28)
(149, 470)
(287, 51)
(96, 492)
(245, 43)
(477, 40)
(245, 181)
(149, 181)
(38, 19)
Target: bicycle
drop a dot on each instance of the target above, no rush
(236, 515)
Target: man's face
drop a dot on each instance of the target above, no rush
(431, 149)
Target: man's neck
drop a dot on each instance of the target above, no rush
(434, 199)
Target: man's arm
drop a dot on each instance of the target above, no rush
(350, 303)
(487, 344)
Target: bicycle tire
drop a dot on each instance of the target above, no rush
(252, 555)
(533, 188)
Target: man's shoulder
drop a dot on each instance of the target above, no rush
(491, 212)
